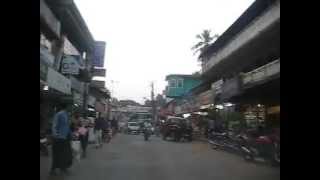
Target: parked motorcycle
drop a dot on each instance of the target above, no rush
(225, 141)
(266, 147)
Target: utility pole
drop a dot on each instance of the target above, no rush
(153, 103)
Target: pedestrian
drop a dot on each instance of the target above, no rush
(98, 131)
(61, 146)
(114, 125)
(210, 126)
(83, 137)
(105, 131)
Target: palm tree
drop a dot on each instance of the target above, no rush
(205, 40)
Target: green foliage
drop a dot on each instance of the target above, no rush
(205, 40)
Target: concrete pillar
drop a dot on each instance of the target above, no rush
(57, 51)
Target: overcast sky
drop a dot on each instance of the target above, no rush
(148, 39)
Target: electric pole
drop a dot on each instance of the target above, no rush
(153, 103)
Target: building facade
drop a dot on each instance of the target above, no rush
(66, 58)
(243, 64)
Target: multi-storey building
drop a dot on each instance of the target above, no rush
(67, 52)
(243, 64)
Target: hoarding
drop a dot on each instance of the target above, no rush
(99, 52)
(99, 84)
(99, 72)
(70, 65)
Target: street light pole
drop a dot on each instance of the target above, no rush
(153, 103)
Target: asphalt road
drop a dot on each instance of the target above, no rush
(129, 157)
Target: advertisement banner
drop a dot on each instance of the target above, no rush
(70, 65)
(99, 72)
(99, 84)
(99, 51)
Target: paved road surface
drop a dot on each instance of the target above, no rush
(129, 157)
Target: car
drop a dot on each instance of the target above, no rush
(177, 128)
(133, 128)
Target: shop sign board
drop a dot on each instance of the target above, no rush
(58, 82)
(70, 65)
(99, 51)
(100, 72)
(99, 84)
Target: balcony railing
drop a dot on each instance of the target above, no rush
(262, 73)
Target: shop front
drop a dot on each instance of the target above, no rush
(55, 90)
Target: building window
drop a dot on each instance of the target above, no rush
(172, 83)
(180, 83)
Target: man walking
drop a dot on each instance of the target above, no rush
(61, 147)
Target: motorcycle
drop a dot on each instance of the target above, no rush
(187, 133)
(225, 141)
(263, 146)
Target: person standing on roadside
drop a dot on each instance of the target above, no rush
(98, 131)
(84, 137)
(114, 126)
(61, 146)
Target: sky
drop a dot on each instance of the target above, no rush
(147, 39)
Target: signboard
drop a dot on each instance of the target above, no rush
(99, 84)
(70, 65)
(58, 82)
(99, 51)
(99, 72)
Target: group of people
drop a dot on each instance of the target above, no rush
(65, 130)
